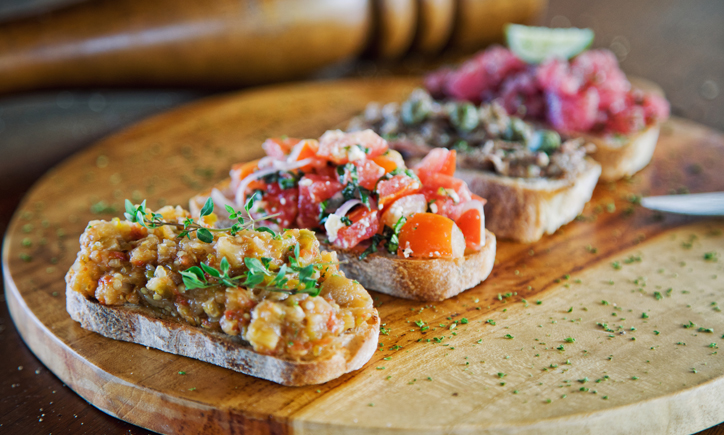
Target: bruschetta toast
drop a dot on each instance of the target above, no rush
(270, 305)
(587, 96)
(418, 234)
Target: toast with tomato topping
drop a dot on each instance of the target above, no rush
(588, 96)
(370, 209)
(270, 306)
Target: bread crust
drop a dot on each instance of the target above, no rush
(622, 159)
(433, 279)
(143, 326)
(523, 209)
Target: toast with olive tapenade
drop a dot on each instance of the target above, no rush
(624, 156)
(273, 307)
(433, 279)
(524, 209)
(534, 181)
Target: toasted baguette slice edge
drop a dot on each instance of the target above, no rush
(624, 159)
(433, 279)
(143, 326)
(524, 209)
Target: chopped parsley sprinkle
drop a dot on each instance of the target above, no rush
(509, 337)
(644, 316)
(570, 340)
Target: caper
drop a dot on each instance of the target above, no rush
(414, 111)
(545, 140)
(464, 117)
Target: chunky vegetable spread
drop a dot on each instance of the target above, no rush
(589, 93)
(486, 137)
(361, 195)
(277, 292)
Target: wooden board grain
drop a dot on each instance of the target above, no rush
(514, 374)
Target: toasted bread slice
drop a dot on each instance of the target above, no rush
(140, 325)
(432, 279)
(523, 209)
(209, 317)
(624, 157)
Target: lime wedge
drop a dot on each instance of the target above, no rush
(536, 44)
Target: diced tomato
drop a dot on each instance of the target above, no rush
(340, 148)
(438, 161)
(327, 170)
(368, 172)
(313, 189)
(396, 187)
(405, 206)
(472, 226)
(282, 201)
(440, 203)
(304, 149)
(278, 148)
(429, 235)
(390, 161)
(455, 188)
(365, 224)
(307, 149)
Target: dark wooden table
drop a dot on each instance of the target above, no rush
(678, 44)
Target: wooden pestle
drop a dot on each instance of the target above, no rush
(180, 42)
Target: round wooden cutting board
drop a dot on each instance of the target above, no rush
(610, 325)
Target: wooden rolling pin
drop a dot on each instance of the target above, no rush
(180, 42)
(222, 43)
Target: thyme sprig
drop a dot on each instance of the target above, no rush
(207, 276)
(140, 215)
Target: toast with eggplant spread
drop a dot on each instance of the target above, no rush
(268, 305)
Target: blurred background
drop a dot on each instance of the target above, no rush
(73, 71)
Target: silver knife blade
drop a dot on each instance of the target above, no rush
(697, 204)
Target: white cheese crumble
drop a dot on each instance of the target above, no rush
(356, 153)
(407, 251)
(433, 207)
(333, 225)
(305, 182)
